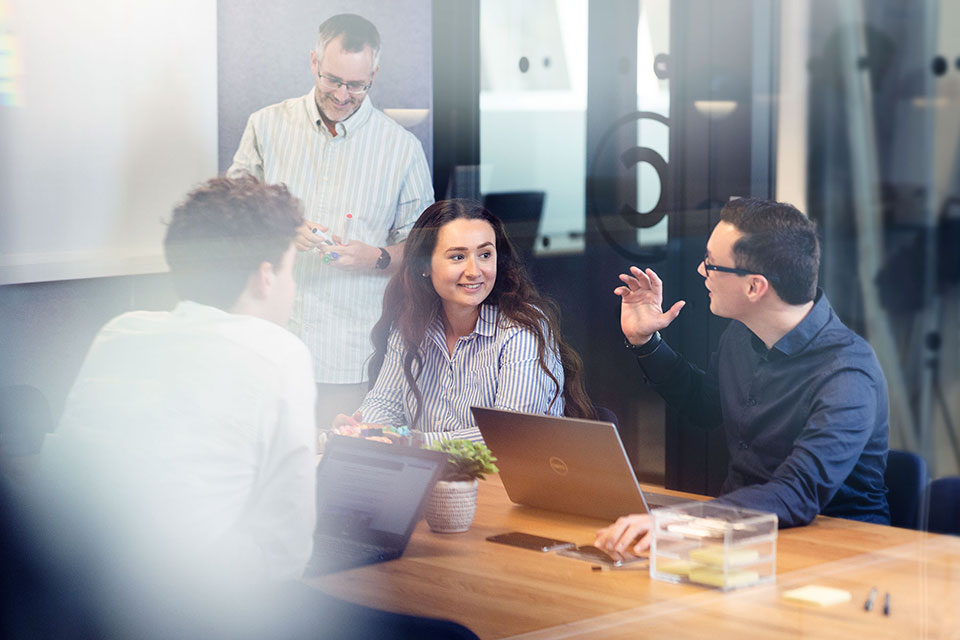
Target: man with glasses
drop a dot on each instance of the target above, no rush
(801, 397)
(363, 180)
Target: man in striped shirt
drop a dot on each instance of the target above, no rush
(363, 180)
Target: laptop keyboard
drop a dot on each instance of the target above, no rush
(330, 553)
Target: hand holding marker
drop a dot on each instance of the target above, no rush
(323, 236)
(333, 255)
(327, 257)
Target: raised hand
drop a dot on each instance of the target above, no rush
(641, 314)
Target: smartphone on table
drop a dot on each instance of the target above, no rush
(530, 541)
(590, 553)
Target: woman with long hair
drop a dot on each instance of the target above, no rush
(463, 325)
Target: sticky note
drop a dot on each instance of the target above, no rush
(716, 577)
(714, 555)
(678, 568)
(818, 595)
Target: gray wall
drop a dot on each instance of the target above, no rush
(263, 52)
(46, 327)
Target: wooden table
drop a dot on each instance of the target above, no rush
(500, 591)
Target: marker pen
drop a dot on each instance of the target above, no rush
(346, 229)
(326, 239)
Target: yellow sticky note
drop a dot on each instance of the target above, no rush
(714, 556)
(818, 595)
(676, 568)
(716, 578)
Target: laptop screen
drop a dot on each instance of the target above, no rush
(561, 464)
(373, 492)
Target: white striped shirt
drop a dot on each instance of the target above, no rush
(495, 366)
(373, 169)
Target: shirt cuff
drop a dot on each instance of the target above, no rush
(658, 364)
(471, 433)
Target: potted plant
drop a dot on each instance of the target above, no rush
(454, 499)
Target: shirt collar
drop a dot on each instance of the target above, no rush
(345, 127)
(191, 308)
(486, 324)
(803, 334)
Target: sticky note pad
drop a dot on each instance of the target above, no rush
(714, 556)
(677, 568)
(716, 577)
(815, 594)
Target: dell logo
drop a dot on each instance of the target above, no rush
(559, 466)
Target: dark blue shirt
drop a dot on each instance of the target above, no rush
(806, 421)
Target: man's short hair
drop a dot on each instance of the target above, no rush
(778, 241)
(221, 234)
(357, 32)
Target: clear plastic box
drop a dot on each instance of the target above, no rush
(713, 545)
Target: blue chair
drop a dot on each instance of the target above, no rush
(906, 478)
(942, 503)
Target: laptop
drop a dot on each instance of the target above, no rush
(370, 496)
(565, 464)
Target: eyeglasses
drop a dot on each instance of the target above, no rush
(740, 272)
(332, 83)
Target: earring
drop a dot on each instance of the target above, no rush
(425, 274)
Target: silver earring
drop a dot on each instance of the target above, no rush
(425, 274)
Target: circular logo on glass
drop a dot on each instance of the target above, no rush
(611, 187)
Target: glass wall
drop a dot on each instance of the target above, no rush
(848, 109)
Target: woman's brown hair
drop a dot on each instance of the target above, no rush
(410, 304)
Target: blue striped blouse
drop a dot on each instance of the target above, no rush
(495, 366)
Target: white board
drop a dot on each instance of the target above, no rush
(109, 116)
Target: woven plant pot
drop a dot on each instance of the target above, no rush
(451, 506)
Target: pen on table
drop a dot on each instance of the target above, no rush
(886, 604)
(869, 603)
(630, 566)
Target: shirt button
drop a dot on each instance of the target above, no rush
(752, 402)
(743, 445)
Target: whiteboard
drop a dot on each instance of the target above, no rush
(108, 116)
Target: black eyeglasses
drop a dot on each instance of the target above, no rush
(333, 83)
(740, 272)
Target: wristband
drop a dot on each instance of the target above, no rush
(384, 260)
(645, 349)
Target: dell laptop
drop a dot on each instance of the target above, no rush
(370, 496)
(565, 464)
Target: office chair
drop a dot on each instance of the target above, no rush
(906, 478)
(607, 415)
(942, 501)
(520, 212)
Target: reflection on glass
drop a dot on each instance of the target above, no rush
(533, 67)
